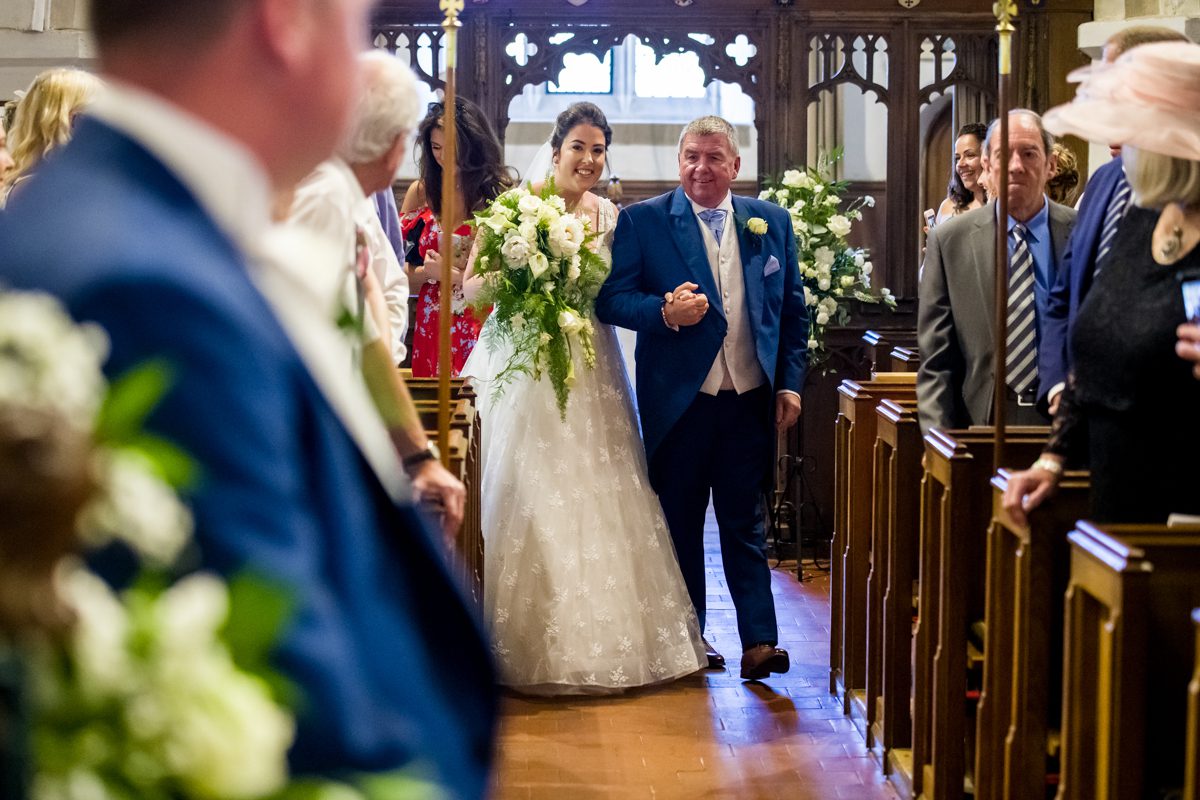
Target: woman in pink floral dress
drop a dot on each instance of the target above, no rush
(482, 177)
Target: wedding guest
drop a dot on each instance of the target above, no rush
(44, 120)
(482, 177)
(1188, 346)
(6, 160)
(965, 190)
(335, 200)
(1101, 211)
(1064, 179)
(1129, 407)
(955, 381)
(154, 223)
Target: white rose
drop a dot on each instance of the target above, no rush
(867, 267)
(569, 322)
(828, 305)
(798, 206)
(812, 344)
(823, 256)
(765, 194)
(529, 205)
(810, 299)
(822, 318)
(792, 177)
(538, 264)
(823, 283)
(515, 251)
(839, 225)
(832, 200)
(847, 281)
(799, 227)
(818, 188)
(529, 232)
(858, 258)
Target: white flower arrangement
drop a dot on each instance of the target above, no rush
(833, 272)
(541, 278)
(146, 696)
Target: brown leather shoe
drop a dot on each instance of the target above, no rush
(715, 659)
(761, 660)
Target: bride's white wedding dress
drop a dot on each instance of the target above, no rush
(582, 590)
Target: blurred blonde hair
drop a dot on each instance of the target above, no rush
(44, 115)
(1158, 180)
(1064, 183)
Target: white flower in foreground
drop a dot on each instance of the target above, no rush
(137, 507)
(867, 268)
(812, 344)
(823, 256)
(828, 305)
(98, 638)
(847, 281)
(823, 283)
(868, 201)
(810, 299)
(538, 264)
(793, 178)
(832, 200)
(839, 225)
(498, 221)
(516, 251)
(569, 322)
(859, 258)
(765, 194)
(822, 318)
(756, 225)
(528, 206)
(528, 229)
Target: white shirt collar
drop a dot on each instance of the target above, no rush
(726, 204)
(226, 178)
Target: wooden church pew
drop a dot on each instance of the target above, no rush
(904, 359)
(1191, 780)
(1128, 659)
(955, 511)
(850, 550)
(894, 532)
(1027, 567)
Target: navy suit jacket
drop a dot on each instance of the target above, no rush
(657, 246)
(390, 662)
(1074, 277)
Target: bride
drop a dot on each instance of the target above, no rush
(583, 593)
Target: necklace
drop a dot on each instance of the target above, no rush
(1171, 246)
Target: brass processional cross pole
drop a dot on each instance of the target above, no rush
(1005, 11)
(450, 26)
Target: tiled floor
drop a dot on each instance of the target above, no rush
(710, 735)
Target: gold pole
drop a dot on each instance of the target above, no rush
(450, 25)
(1005, 11)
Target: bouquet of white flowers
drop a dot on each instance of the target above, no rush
(833, 272)
(542, 278)
(163, 691)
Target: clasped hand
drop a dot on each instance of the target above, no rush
(685, 306)
(433, 269)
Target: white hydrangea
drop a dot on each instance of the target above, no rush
(47, 361)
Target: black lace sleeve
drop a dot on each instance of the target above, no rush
(1068, 429)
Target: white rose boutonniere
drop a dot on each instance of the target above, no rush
(756, 225)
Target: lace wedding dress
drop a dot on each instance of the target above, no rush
(583, 593)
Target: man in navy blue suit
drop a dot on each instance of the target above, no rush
(710, 283)
(154, 222)
(1101, 210)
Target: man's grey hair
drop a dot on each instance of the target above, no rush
(387, 107)
(1032, 116)
(710, 126)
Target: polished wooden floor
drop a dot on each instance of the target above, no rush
(710, 735)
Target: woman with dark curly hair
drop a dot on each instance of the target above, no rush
(482, 176)
(965, 190)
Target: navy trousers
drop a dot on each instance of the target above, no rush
(722, 444)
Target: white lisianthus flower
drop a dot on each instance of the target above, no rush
(556, 237)
(538, 264)
(557, 203)
(756, 225)
(847, 281)
(799, 227)
(839, 225)
(529, 232)
(765, 194)
(823, 283)
(576, 232)
(569, 322)
(810, 299)
(516, 251)
(798, 206)
(547, 214)
(528, 206)
(859, 258)
(812, 344)
(818, 188)
(867, 268)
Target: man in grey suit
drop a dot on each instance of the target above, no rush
(956, 319)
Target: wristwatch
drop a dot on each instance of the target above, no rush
(426, 453)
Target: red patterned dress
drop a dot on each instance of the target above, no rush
(464, 330)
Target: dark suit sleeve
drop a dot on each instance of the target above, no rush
(940, 376)
(623, 300)
(792, 366)
(1052, 347)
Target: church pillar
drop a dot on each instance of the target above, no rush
(38, 34)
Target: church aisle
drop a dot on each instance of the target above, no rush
(709, 735)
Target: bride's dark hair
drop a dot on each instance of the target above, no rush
(482, 174)
(583, 113)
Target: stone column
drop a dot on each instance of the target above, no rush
(38, 34)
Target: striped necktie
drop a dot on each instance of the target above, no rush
(1117, 206)
(1020, 365)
